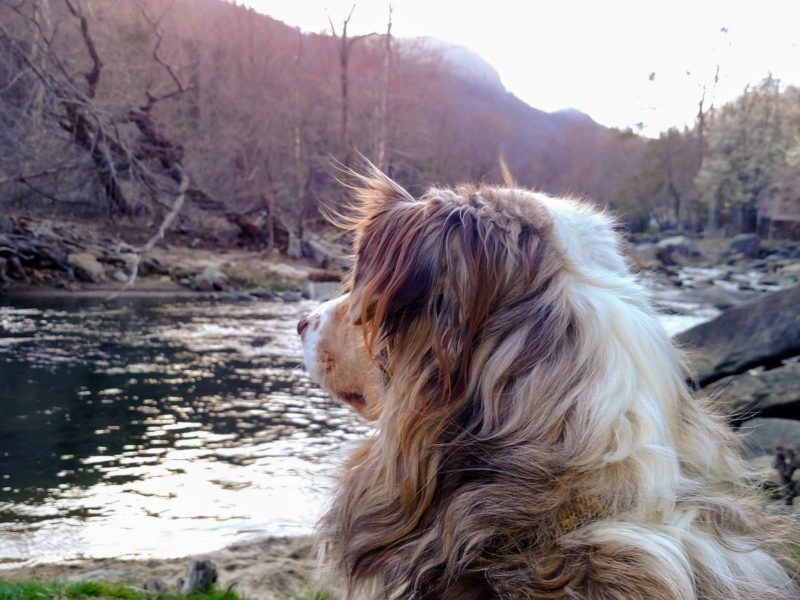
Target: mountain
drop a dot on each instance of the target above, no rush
(253, 111)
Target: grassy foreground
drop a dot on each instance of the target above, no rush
(102, 591)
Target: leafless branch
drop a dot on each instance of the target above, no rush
(158, 236)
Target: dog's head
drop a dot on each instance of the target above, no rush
(438, 279)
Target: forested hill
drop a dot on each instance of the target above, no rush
(108, 107)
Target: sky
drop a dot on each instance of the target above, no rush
(624, 63)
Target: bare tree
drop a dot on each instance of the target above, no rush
(344, 49)
(386, 84)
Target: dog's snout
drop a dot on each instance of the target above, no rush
(302, 325)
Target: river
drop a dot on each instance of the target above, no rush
(161, 428)
(154, 428)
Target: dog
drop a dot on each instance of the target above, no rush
(535, 436)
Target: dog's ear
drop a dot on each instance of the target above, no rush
(395, 268)
(426, 274)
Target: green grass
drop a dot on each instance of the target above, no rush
(102, 591)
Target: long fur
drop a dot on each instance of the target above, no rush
(537, 438)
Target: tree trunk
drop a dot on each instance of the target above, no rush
(384, 107)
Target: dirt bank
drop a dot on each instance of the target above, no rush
(266, 568)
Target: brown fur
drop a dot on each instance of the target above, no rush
(496, 470)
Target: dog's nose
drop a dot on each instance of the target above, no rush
(302, 326)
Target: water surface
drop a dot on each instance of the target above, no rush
(158, 429)
(165, 428)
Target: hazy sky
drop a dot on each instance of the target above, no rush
(592, 55)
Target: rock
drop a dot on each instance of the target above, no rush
(746, 244)
(237, 297)
(294, 250)
(200, 576)
(263, 294)
(791, 269)
(291, 296)
(678, 250)
(763, 436)
(151, 266)
(775, 392)
(756, 333)
(6, 225)
(119, 276)
(322, 253)
(155, 587)
(210, 280)
(87, 267)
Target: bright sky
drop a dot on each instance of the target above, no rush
(592, 55)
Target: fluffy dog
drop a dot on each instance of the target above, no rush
(535, 437)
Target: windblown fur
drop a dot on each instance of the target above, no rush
(536, 437)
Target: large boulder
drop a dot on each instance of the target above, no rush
(761, 332)
(774, 392)
(87, 267)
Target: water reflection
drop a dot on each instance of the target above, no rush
(153, 429)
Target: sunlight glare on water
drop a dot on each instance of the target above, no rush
(153, 429)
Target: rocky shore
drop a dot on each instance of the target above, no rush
(747, 359)
(44, 256)
(264, 569)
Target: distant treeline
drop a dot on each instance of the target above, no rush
(118, 107)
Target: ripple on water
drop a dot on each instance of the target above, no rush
(151, 429)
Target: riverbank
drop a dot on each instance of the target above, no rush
(262, 569)
(82, 258)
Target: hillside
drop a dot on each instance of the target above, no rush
(251, 113)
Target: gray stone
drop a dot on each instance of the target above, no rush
(263, 294)
(200, 576)
(757, 333)
(155, 587)
(746, 244)
(292, 296)
(151, 266)
(678, 250)
(775, 392)
(762, 436)
(87, 267)
(119, 276)
(210, 280)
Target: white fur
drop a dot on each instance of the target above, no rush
(317, 320)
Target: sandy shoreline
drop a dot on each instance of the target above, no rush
(265, 568)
